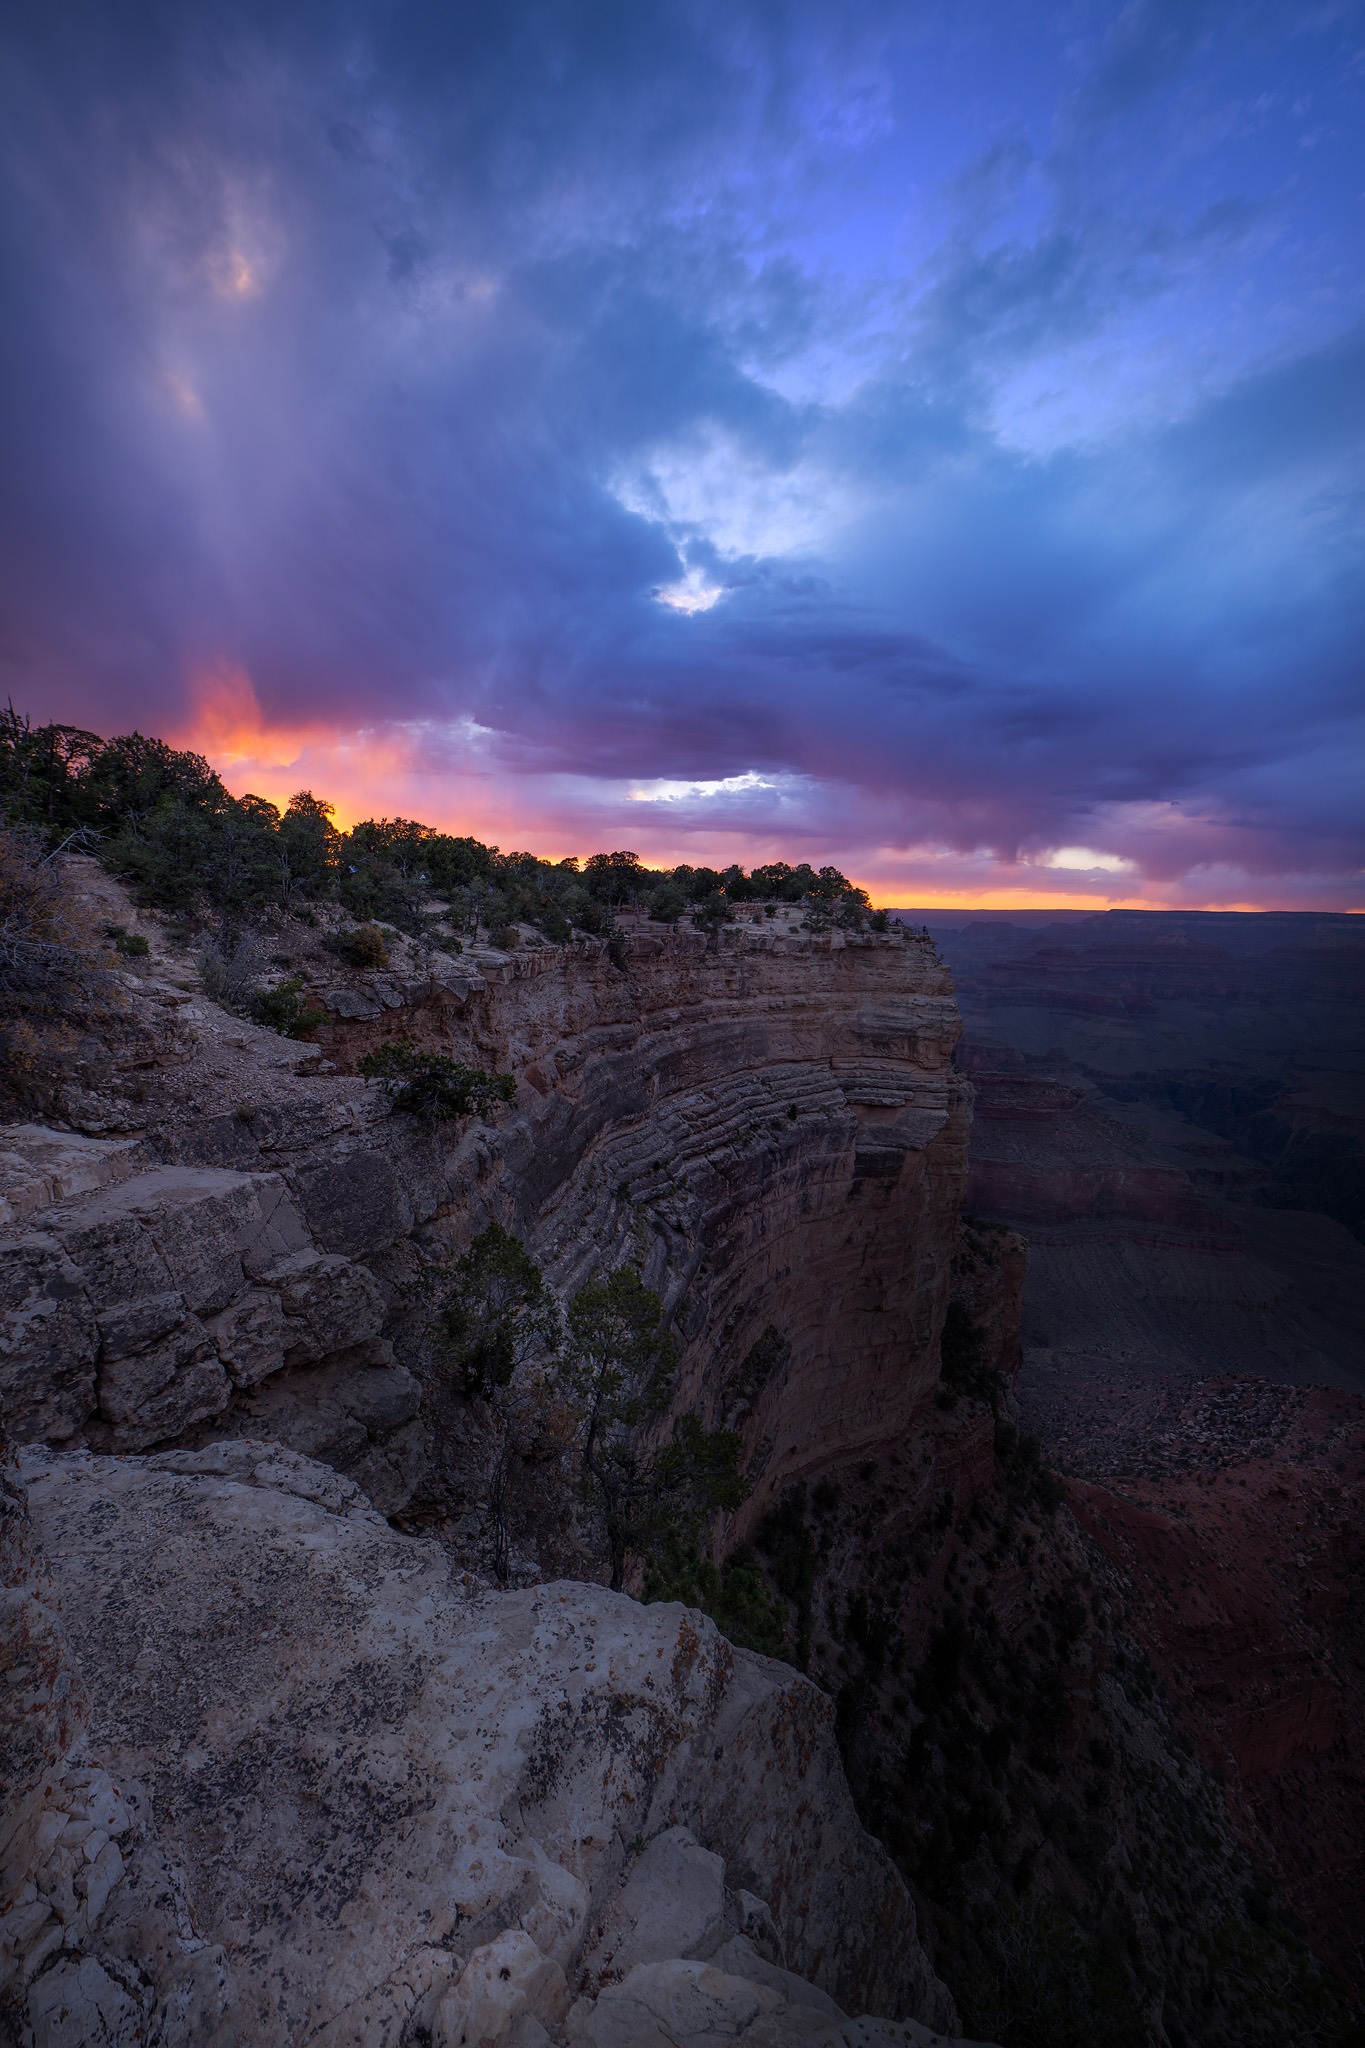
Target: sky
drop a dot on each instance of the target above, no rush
(923, 437)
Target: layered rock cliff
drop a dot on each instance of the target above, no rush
(766, 1122)
(321, 1769)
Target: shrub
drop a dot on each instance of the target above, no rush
(962, 1365)
(650, 1500)
(734, 1594)
(52, 967)
(229, 967)
(493, 1311)
(49, 952)
(286, 1008)
(366, 946)
(666, 904)
(431, 1087)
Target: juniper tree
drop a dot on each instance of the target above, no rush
(620, 1368)
(492, 1313)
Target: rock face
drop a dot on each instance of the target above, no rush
(342, 1797)
(70, 1838)
(143, 1300)
(767, 1123)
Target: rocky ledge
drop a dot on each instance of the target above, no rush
(304, 1783)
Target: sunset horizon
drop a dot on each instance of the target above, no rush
(927, 442)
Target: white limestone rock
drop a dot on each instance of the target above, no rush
(683, 2004)
(502, 1983)
(353, 1765)
(672, 1904)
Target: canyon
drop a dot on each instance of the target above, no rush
(319, 1777)
(1171, 1107)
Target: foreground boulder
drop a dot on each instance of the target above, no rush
(328, 1793)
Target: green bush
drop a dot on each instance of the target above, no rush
(666, 904)
(651, 1500)
(734, 1594)
(431, 1087)
(287, 1008)
(366, 946)
(493, 1311)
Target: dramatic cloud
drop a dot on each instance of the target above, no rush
(928, 438)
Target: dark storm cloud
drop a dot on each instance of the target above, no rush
(426, 362)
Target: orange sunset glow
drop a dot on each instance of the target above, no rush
(409, 770)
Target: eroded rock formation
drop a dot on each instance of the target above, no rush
(336, 1772)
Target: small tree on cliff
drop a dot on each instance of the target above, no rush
(620, 1365)
(493, 1312)
(430, 1086)
(619, 1369)
(606, 1380)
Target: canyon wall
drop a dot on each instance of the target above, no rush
(321, 1771)
(767, 1123)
